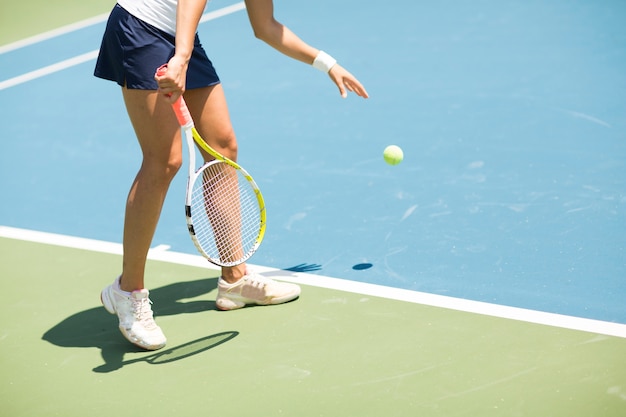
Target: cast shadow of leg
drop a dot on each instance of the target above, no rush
(97, 328)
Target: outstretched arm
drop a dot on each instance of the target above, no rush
(277, 35)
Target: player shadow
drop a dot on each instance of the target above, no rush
(97, 328)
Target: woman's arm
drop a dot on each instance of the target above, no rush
(275, 34)
(188, 15)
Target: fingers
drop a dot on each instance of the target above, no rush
(168, 88)
(171, 97)
(347, 82)
(342, 90)
(355, 86)
(171, 84)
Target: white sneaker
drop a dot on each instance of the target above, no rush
(135, 314)
(254, 289)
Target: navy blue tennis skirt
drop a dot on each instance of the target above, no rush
(132, 50)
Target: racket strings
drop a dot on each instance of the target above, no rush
(225, 213)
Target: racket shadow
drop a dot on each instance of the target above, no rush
(95, 328)
(176, 353)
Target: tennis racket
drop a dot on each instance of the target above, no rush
(224, 207)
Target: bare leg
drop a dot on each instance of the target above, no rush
(209, 110)
(158, 134)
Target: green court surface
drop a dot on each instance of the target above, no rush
(20, 20)
(330, 353)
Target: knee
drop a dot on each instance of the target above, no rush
(162, 170)
(173, 166)
(226, 144)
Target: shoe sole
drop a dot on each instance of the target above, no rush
(242, 302)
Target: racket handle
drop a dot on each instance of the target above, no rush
(179, 106)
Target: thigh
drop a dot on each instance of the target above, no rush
(209, 110)
(155, 125)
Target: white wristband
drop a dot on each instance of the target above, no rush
(324, 62)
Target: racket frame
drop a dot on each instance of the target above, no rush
(193, 136)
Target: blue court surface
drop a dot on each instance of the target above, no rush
(511, 116)
(510, 203)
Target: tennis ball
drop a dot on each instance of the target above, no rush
(393, 155)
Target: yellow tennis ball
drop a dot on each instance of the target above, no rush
(393, 155)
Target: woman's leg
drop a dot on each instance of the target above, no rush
(159, 137)
(158, 134)
(238, 286)
(209, 110)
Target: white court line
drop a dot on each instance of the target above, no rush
(68, 63)
(459, 304)
(50, 69)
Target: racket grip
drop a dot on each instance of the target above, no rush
(179, 106)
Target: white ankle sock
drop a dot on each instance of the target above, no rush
(117, 284)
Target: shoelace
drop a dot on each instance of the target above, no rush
(256, 280)
(143, 312)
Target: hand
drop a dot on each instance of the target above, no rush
(172, 82)
(346, 81)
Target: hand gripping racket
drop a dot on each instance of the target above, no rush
(224, 206)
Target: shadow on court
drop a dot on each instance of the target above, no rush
(97, 328)
(304, 267)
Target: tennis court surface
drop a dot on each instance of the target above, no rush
(483, 276)
(329, 353)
